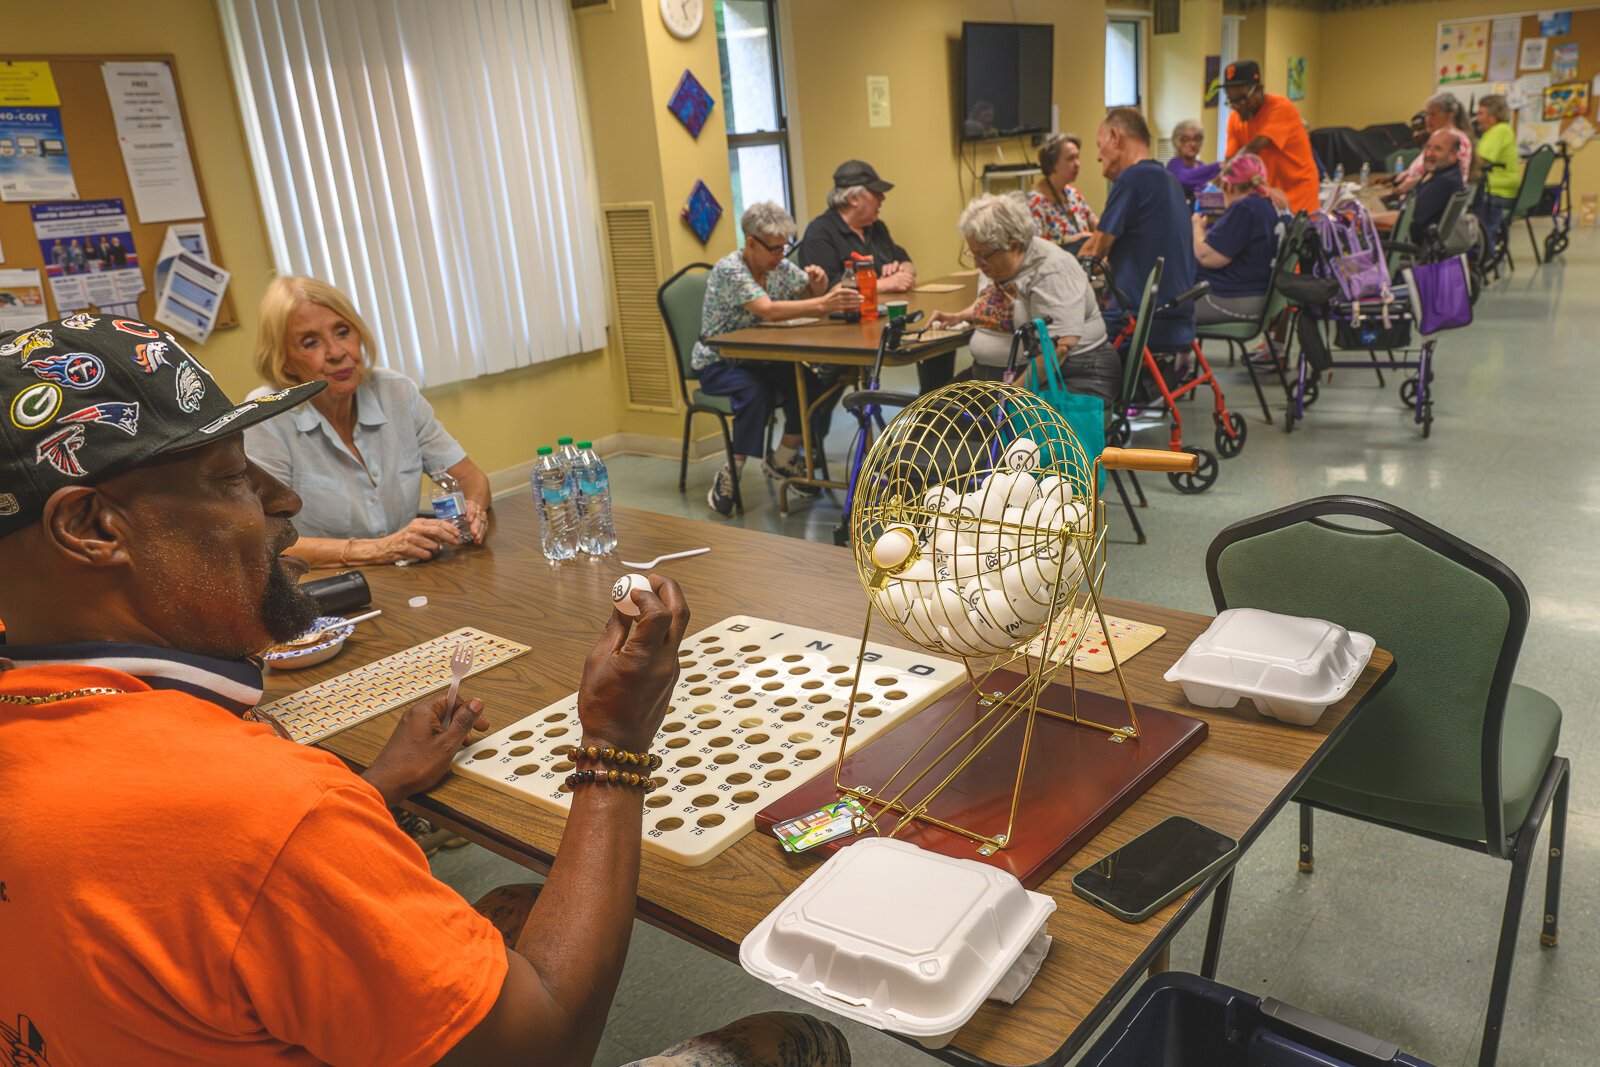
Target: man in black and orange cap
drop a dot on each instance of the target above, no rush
(1270, 126)
(179, 884)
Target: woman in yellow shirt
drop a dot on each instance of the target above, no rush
(1497, 153)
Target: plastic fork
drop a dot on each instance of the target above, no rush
(460, 664)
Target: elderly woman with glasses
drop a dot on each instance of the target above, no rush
(1188, 137)
(747, 287)
(1043, 281)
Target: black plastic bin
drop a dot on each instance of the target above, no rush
(1183, 1020)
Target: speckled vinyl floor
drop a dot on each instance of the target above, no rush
(1393, 935)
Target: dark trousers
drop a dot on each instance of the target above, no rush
(757, 388)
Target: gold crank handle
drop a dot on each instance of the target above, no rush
(1149, 459)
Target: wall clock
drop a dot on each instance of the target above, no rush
(683, 17)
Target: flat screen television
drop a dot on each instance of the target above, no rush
(1006, 70)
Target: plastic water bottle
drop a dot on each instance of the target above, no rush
(1338, 173)
(558, 520)
(566, 452)
(1399, 168)
(1366, 172)
(450, 503)
(598, 533)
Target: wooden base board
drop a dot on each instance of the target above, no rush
(1077, 779)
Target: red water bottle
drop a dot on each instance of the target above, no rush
(866, 284)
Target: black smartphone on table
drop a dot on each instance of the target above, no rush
(1143, 876)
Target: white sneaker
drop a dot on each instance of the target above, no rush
(720, 496)
(794, 468)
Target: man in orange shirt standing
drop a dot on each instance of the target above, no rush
(1271, 127)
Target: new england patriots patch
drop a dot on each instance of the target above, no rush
(124, 416)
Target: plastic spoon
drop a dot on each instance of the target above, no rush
(663, 559)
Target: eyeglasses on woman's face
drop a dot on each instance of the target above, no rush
(782, 248)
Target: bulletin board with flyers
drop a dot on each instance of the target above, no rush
(79, 146)
(1547, 65)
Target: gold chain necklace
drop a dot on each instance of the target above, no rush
(71, 694)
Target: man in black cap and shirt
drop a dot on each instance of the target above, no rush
(851, 224)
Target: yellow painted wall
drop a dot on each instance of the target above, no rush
(499, 419)
(1377, 65)
(837, 43)
(1178, 69)
(1291, 31)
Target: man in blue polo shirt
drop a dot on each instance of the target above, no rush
(1145, 218)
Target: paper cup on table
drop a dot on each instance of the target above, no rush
(897, 309)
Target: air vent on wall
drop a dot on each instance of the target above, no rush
(638, 331)
(1166, 16)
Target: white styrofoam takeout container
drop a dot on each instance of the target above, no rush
(897, 938)
(1291, 668)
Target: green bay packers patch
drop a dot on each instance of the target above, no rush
(35, 406)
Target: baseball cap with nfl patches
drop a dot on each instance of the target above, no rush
(90, 396)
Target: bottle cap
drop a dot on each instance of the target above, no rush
(585, 444)
(546, 450)
(563, 440)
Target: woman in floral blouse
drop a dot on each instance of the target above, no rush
(747, 287)
(1060, 210)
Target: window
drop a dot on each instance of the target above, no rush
(428, 159)
(1124, 62)
(752, 96)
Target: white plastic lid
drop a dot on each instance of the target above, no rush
(1253, 652)
(896, 937)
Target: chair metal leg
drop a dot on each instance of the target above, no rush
(1537, 259)
(727, 444)
(1214, 930)
(1377, 368)
(683, 461)
(1499, 987)
(1550, 934)
(1308, 858)
(1266, 412)
(1551, 796)
(1127, 505)
(1138, 490)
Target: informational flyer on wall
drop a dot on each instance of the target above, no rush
(181, 237)
(33, 155)
(89, 256)
(1503, 37)
(27, 84)
(21, 299)
(191, 298)
(155, 150)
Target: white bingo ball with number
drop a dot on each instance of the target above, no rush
(622, 592)
(1022, 455)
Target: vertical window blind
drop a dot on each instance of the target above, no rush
(429, 159)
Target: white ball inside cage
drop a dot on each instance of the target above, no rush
(982, 472)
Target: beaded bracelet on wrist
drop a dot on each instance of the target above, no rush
(649, 761)
(611, 777)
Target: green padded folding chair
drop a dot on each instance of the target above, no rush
(1118, 430)
(1534, 175)
(1451, 749)
(681, 298)
(1238, 335)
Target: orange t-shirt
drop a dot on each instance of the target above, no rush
(1291, 166)
(178, 886)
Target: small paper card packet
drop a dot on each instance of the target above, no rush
(826, 823)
